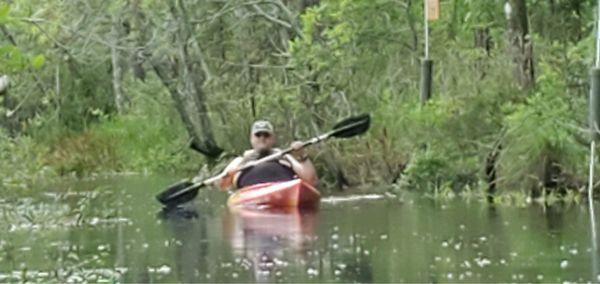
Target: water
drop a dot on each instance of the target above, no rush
(113, 230)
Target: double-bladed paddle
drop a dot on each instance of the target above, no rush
(186, 190)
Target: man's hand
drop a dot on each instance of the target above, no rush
(227, 179)
(297, 147)
(298, 150)
(248, 153)
(231, 172)
(197, 179)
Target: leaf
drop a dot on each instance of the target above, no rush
(4, 10)
(38, 61)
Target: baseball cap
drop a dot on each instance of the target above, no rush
(262, 126)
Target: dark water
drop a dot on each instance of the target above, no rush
(113, 230)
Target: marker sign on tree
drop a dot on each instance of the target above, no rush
(433, 10)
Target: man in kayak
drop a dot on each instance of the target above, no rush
(263, 139)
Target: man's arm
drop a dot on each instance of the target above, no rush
(304, 169)
(301, 164)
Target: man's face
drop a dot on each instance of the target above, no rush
(262, 142)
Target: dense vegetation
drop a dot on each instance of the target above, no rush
(122, 86)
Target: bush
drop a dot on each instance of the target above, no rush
(149, 138)
(542, 145)
(22, 162)
(84, 154)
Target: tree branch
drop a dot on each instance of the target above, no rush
(271, 18)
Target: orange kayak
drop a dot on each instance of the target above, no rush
(293, 193)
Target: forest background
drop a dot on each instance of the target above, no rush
(107, 87)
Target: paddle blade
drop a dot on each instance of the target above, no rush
(352, 126)
(178, 193)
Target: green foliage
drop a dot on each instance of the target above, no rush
(84, 154)
(12, 59)
(37, 61)
(303, 68)
(427, 170)
(4, 10)
(448, 139)
(22, 163)
(149, 138)
(541, 131)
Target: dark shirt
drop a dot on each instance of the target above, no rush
(272, 171)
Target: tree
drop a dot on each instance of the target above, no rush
(184, 75)
(521, 42)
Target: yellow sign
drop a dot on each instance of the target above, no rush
(433, 10)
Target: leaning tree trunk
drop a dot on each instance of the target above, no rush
(521, 43)
(181, 74)
(184, 78)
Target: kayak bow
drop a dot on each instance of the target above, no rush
(293, 193)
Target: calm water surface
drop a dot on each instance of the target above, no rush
(114, 230)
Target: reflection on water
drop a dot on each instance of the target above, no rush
(263, 236)
(114, 231)
(593, 237)
(259, 240)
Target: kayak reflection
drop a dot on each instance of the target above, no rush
(267, 236)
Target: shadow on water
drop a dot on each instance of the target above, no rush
(189, 231)
(555, 216)
(175, 214)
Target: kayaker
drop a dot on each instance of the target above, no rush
(263, 140)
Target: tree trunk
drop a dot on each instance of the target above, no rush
(577, 7)
(483, 40)
(138, 56)
(9, 122)
(333, 166)
(4, 82)
(185, 83)
(413, 28)
(182, 76)
(121, 101)
(491, 169)
(521, 43)
(330, 161)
